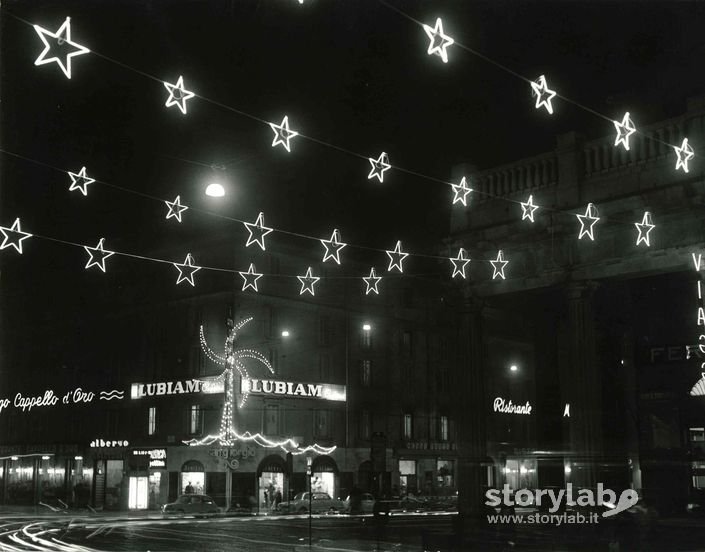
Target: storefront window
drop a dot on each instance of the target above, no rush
(323, 482)
(113, 483)
(407, 477)
(138, 497)
(51, 480)
(155, 480)
(20, 480)
(271, 486)
(444, 476)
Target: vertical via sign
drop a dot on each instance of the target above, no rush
(699, 387)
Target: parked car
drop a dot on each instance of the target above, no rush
(191, 504)
(365, 506)
(321, 503)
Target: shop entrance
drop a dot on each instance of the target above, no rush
(323, 475)
(138, 498)
(271, 482)
(193, 478)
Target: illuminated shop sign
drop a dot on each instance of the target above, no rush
(325, 391)
(49, 398)
(243, 451)
(508, 407)
(699, 387)
(205, 385)
(157, 457)
(106, 443)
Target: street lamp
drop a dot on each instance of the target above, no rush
(513, 368)
(366, 327)
(309, 473)
(285, 333)
(215, 190)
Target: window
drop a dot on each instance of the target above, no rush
(365, 425)
(152, 420)
(697, 434)
(407, 426)
(366, 372)
(271, 419)
(322, 424)
(195, 419)
(443, 428)
(406, 342)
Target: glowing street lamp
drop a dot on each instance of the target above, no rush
(215, 190)
(285, 333)
(366, 327)
(514, 368)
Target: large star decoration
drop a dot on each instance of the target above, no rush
(257, 232)
(372, 282)
(187, 270)
(543, 94)
(460, 192)
(528, 209)
(624, 130)
(13, 236)
(282, 134)
(588, 228)
(459, 263)
(685, 153)
(439, 40)
(62, 38)
(175, 208)
(644, 229)
(498, 265)
(80, 181)
(333, 247)
(178, 94)
(250, 278)
(97, 255)
(379, 165)
(307, 282)
(396, 258)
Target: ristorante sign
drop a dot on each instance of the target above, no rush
(508, 407)
(325, 391)
(204, 385)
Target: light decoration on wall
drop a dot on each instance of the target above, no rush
(250, 278)
(624, 130)
(13, 236)
(62, 37)
(396, 258)
(79, 181)
(685, 153)
(178, 94)
(498, 266)
(379, 165)
(528, 209)
(460, 263)
(439, 40)
(372, 281)
(257, 232)
(187, 270)
(307, 282)
(175, 208)
(644, 228)
(587, 222)
(333, 247)
(97, 255)
(460, 192)
(543, 94)
(282, 133)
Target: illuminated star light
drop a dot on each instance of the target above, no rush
(282, 134)
(498, 265)
(13, 236)
(528, 209)
(97, 255)
(439, 40)
(624, 130)
(543, 94)
(372, 282)
(644, 229)
(685, 153)
(257, 232)
(178, 94)
(459, 263)
(175, 208)
(461, 192)
(396, 258)
(187, 270)
(62, 36)
(333, 247)
(379, 165)
(250, 278)
(590, 215)
(80, 181)
(307, 282)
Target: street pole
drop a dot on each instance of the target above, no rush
(309, 462)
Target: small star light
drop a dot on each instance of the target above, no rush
(307, 282)
(333, 247)
(461, 192)
(498, 265)
(175, 208)
(543, 94)
(439, 40)
(685, 153)
(282, 134)
(460, 263)
(80, 181)
(396, 257)
(528, 209)
(372, 282)
(644, 229)
(591, 216)
(250, 278)
(13, 236)
(97, 255)
(62, 37)
(624, 130)
(178, 94)
(186, 270)
(257, 231)
(379, 165)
